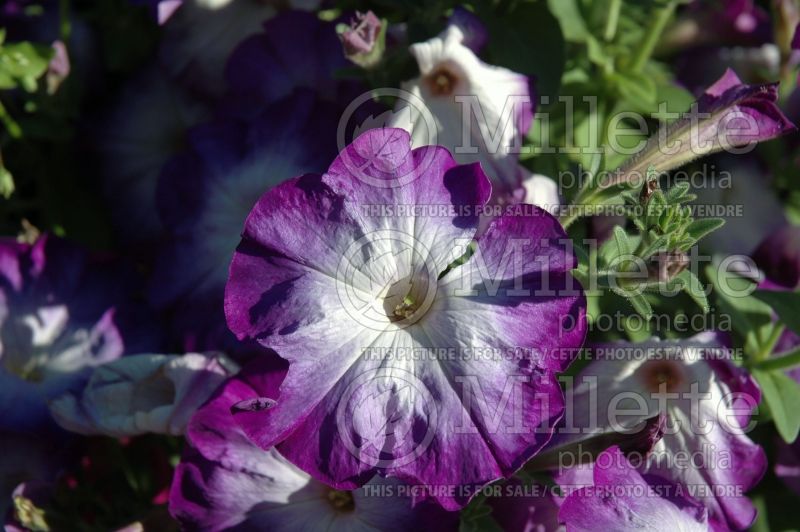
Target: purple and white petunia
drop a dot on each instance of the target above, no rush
(141, 394)
(707, 401)
(396, 367)
(453, 84)
(58, 319)
(206, 192)
(619, 498)
(225, 481)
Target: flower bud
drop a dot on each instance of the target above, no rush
(363, 41)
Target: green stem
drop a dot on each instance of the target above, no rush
(783, 362)
(651, 36)
(612, 20)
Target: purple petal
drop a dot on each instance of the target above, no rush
(778, 256)
(225, 481)
(621, 499)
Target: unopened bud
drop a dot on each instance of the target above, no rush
(363, 39)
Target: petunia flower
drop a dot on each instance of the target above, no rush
(707, 401)
(729, 115)
(224, 481)
(401, 362)
(620, 498)
(269, 65)
(206, 192)
(58, 320)
(778, 256)
(200, 36)
(137, 136)
(479, 112)
(141, 394)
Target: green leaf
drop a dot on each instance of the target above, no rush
(622, 241)
(782, 395)
(751, 318)
(658, 243)
(569, 16)
(700, 228)
(677, 192)
(781, 361)
(692, 286)
(25, 59)
(641, 305)
(637, 89)
(6, 182)
(785, 304)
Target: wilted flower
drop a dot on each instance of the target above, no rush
(59, 67)
(707, 401)
(225, 481)
(142, 393)
(619, 498)
(343, 274)
(481, 112)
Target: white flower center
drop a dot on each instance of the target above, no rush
(662, 376)
(442, 81)
(405, 299)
